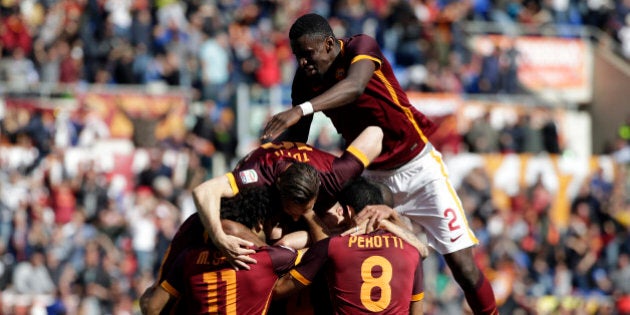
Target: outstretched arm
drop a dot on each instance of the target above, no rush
(340, 94)
(369, 142)
(207, 197)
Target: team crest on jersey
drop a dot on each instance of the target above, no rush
(340, 74)
(248, 176)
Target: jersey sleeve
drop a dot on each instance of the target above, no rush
(418, 284)
(361, 47)
(344, 168)
(314, 259)
(189, 233)
(173, 282)
(282, 258)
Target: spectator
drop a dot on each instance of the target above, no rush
(214, 58)
(489, 76)
(92, 192)
(482, 137)
(19, 71)
(550, 138)
(31, 277)
(94, 282)
(15, 33)
(142, 228)
(7, 264)
(225, 137)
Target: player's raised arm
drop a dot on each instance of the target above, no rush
(207, 197)
(307, 48)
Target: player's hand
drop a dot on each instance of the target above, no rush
(236, 250)
(357, 229)
(281, 122)
(406, 235)
(374, 214)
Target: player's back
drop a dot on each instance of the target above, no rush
(209, 285)
(271, 158)
(374, 273)
(265, 164)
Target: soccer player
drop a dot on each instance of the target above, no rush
(204, 281)
(352, 83)
(301, 174)
(377, 272)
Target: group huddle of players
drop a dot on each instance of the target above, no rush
(295, 197)
(377, 271)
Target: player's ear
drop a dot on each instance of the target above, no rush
(330, 43)
(348, 211)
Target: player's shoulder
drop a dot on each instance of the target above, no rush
(192, 225)
(276, 249)
(360, 39)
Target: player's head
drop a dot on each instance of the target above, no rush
(356, 195)
(250, 207)
(298, 187)
(313, 43)
(361, 192)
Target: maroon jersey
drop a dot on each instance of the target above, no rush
(373, 273)
(383, 104)
(207, 284)
(263, 165)
(190, 234)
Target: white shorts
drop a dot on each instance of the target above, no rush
(424, 194)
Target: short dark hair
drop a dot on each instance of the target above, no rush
(299, 183)
(251, 206)
(310, 24)
(361, 192)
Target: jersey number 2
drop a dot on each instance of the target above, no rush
(212, 279)
(370, 282)
(452, 225)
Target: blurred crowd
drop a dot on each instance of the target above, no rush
(211, 45)
(73, 240)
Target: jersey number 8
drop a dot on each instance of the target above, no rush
(370, 283)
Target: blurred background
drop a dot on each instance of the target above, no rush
(111, 111)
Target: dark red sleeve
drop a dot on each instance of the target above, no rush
(282, 258)
(364, 45)
(173, 281)
(418, 283)
(189, 234)
(342, 169)
(314, 259)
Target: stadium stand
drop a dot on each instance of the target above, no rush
(112, 111)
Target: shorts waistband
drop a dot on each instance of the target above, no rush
(428, 147)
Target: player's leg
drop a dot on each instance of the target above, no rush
(476, 287)
(439, 210)
(423, 193)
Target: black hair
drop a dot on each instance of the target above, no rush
(386, 192)
(299, 183)
(361, 192)
(310, 24)
(251, 206)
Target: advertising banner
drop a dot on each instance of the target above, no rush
(555, 68)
